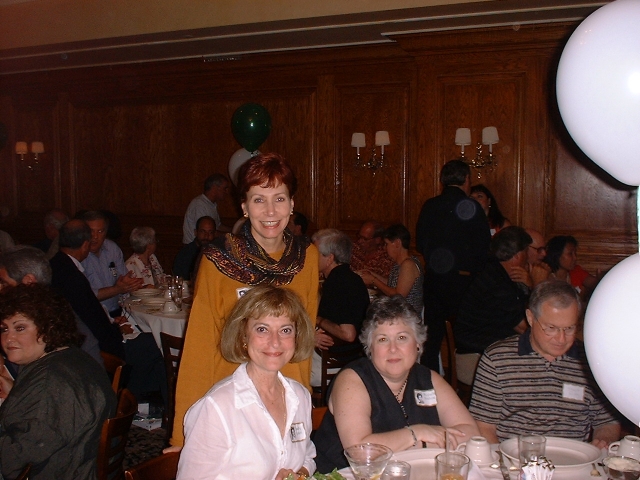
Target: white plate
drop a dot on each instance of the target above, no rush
(153, 301)
(147, 292)
(563, 452)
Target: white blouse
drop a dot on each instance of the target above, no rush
(229, 434)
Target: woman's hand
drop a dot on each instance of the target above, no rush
(434, 434)
(285, 472)
(366, 276)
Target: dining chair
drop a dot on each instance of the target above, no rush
(24, 474)
(113, 438)
(332, 362)
(163, 467)
(450, 365)
(317, 414)
(113, 365)
(172, 351)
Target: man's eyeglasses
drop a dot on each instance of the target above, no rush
(540, 250)
(555, 331)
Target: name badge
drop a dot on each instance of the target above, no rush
(425, 398)
(241, 292)
(298, 434)
(572, 391)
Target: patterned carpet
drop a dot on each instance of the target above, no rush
(143, 445)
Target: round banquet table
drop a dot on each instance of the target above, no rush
(150, 318)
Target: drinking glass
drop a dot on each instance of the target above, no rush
(530, 447)
(452, 466)
(176, 295)
(367, 460)
(396, 470)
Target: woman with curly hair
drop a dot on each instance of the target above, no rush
(53, 412)
(485, 198)
(562, 258)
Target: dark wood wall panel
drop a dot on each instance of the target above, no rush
(140, 139)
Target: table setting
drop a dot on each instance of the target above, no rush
(164, 309)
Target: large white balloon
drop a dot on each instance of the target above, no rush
(237, 160)
(612, 336)
(598, 87)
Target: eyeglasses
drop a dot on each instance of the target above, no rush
(540, 250)
(555, 331)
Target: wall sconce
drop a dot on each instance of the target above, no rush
(374, 163)
(36, 149)
(480, 161)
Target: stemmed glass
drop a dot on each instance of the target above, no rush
(176, 291)
(367, 460)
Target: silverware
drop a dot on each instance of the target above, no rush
(503, 468)
(594, 471)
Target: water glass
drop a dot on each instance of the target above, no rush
(176, 296)
(452, 466)
(367, 460)
(396, 470)
(530, 447)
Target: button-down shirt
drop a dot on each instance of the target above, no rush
(101, 275)
(229, 434)
(200, 206)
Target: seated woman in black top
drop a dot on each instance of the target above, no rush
(388, 398)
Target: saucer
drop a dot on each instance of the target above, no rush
(494, 456)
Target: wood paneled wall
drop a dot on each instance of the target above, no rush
(140, 139)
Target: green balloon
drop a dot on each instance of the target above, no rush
(251, 125)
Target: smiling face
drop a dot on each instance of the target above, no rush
(394, 350)
(271, 342)
(20, 340)
(268, 210)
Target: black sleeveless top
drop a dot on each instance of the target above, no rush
(386, 414)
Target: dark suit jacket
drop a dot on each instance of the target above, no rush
(74, 286)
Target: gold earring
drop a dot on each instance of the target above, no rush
(245, 215)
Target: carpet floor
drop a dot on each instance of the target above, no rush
(143, 445)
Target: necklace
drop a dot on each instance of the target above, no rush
(397, 395)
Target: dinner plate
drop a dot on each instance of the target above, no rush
(147, 292)
(153, 301)
(562, 452)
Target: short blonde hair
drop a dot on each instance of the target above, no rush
(257, 303)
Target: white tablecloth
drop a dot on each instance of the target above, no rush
(150, 318)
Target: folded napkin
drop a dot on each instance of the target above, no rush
(475, 473)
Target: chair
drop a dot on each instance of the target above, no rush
(317, 414)
(113, 365)
(450, 365)
(171, 344)
(114, 438)
(24, 474)
(164, 467)
(332, 362)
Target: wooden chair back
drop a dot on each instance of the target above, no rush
(172, 351)
(113, 365)
(332, 362)
(317, 414)
(24, 474)
(114, 438)
(164, 467)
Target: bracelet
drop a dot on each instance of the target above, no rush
(413, 434)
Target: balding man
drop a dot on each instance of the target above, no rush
(538, 270)
(369, 252)
(216, 188)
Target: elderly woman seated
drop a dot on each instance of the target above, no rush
(53, 412)
(143, 263)
(388, 398)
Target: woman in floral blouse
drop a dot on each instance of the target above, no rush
(143, 263)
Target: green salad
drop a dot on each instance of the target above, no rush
(320, 476)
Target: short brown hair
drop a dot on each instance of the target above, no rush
(266, 170)
(51, 313)
(257, 303)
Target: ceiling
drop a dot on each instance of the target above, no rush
(234, 41)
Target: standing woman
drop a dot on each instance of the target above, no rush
(406, 276)
(265, 254)
(485, 198)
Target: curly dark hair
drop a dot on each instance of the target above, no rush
(555, 249)
(51, 313)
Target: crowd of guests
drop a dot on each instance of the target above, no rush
(257, 328)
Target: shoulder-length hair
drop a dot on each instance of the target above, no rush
(495, 216)
(54, 319)
(257, 303)
(266, 170)
(555, 249)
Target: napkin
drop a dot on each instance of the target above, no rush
(475, 473)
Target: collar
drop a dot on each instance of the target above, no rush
(245, 392)
(76, 262)
(525, 348)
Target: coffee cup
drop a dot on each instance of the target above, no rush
(169, 307)
(477, 449)
(629, 446)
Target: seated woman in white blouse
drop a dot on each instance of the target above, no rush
(143, 263)
(256, 423)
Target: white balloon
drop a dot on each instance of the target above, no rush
(237, 160)
(598, 88)
(612, 336)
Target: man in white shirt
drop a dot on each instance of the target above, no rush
(216, 188)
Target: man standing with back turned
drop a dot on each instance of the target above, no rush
(453, 236)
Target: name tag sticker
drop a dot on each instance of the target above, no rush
(425, 398)
(572, 391)
(298, 433)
